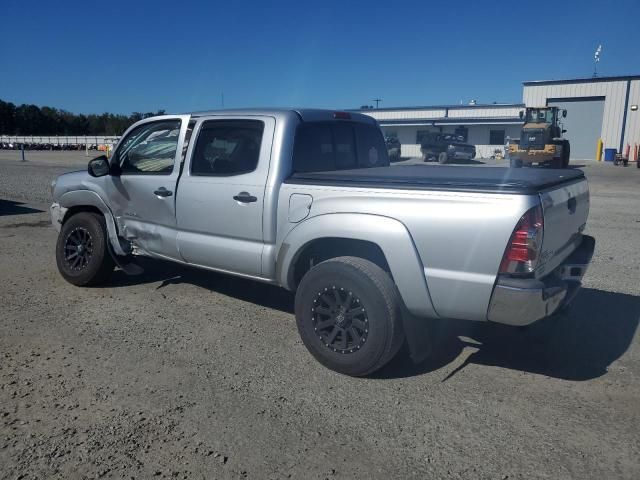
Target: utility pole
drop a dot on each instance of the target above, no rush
(377, 100)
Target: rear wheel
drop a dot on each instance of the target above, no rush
(443, 158)
(348, 315)
(82, 253)
(515, 163)
(566, 153)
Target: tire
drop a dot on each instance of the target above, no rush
(443, 158)
(556, 163)
(515, 163)
(94, 264)
(326, 331)
(566, 153)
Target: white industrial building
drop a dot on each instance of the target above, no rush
(597, 108)
(485, 126)
(601, 107)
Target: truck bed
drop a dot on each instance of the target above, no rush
(524, 181)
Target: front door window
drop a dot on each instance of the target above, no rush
(149, 149)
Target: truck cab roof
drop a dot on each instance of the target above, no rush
(303, 114)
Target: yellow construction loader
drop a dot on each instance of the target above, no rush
(541, 140)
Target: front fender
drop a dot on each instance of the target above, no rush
(77, 198)
(390, 235)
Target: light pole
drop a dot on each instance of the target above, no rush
(596, 59)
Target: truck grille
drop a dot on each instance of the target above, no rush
(532, 139)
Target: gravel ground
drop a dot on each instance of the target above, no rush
(185, 374)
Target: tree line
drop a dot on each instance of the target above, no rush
(33, 120)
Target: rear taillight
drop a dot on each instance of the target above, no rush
(523, 249)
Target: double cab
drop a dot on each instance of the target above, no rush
(307, 200)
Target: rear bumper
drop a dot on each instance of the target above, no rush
(461, 155)
(522, 301)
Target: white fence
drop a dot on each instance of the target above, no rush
(60, 139)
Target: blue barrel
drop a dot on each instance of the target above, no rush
(610, 154)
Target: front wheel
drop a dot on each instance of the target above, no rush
(557, 163)
(82, 253)
(348, 315)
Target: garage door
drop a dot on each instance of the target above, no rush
(583, 124)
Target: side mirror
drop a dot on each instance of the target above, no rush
(564, 131)
(521, 114)
(99, 166)
(564, 114)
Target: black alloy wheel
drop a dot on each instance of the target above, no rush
(348, 315)
(340, 320)
(78, 248)
(82, 252)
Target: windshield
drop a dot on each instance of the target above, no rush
(453, 138)
(540, 115)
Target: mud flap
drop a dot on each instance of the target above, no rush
(418, 334)
(127, 265)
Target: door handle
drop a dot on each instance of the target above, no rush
(245, 197)
(163, 192)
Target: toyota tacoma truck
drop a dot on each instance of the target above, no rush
(307, 200)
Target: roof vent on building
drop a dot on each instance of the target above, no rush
(472, 102)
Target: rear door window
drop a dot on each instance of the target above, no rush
(227, 147)
(326, 146)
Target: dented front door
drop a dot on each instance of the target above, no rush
(142, 188)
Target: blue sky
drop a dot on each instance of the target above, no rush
(124, 56)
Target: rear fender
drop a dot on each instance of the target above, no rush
(390, 235)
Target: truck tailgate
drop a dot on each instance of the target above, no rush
(566, 208)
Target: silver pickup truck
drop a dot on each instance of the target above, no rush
(306, 199)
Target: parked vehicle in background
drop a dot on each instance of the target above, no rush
(541, 140)
(394, 148)
(55, 146)
(307, 200)
(446, 146)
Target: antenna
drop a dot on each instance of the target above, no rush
(596, 60)
(377, 100)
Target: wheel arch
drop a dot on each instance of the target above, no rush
(382, 240)
(88, 201)
(325, 248)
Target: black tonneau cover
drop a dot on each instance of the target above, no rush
(524, 181)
